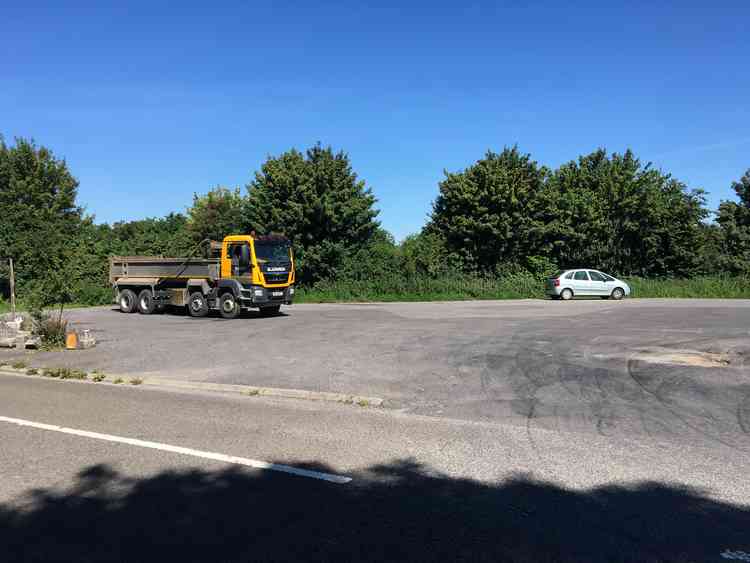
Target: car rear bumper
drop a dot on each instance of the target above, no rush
(553, 291)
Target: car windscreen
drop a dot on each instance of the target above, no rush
(272, 251)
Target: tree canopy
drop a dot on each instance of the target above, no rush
(489, 213)
(613, 212)
(504, 215)
(217, 214)
(317, 201)
(734, 218)
(38, 211)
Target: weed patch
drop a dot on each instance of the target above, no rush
(97, 376)
(32, 371)
(118, 380)
(77, 374)
(20, 364)
(51, 329)
(136, 381)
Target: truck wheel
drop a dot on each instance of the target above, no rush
(127, 301)
(229, 307)
(197, 304)
(270, 311)
(146, 302)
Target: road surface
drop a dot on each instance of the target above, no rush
(94, 472)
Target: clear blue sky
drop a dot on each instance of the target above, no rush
(150, 102)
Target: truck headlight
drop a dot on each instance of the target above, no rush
(258, 293)
(291, 291)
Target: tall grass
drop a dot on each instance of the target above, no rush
(516, 286)
(702, 286)
(463, 287)
(457, 287)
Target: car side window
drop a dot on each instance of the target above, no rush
(596, 276)
(581, 276)
(608, 277)
(569, 275)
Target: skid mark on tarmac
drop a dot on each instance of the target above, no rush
(235, 460)
(743, 413)
(565, 386)
(682, 417)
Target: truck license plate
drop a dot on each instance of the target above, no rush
(277, 293)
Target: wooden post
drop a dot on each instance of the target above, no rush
(12, 291)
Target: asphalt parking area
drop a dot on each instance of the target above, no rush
(649, 367)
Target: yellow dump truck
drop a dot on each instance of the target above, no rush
(242, 272)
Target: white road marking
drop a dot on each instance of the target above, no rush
(340, 479)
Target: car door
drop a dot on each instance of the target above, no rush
(581, 283)
(598, 283)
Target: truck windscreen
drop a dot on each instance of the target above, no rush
(272, 251)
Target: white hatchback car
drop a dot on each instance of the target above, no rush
(574, 283)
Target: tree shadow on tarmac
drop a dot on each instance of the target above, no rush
(397, 512)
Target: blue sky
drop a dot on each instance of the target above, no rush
(150, 102)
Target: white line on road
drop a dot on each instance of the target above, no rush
(180, 450)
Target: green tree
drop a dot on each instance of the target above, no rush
(215, 215)
(379, 258)
(164, 236)
(613, 212)
(427, 254)
(317, 201)
(38, 211)
(734, 219)
(490, 213)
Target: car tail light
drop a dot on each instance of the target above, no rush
(556, 282)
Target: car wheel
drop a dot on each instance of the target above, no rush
(618, 293)
(566, 294)
(270, 311)
(127, 301)
(229, 307)
(197, 305)
(146, 302)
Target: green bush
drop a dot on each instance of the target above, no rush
(513, 283)
(51, 328)
(702, 286)
(519, 285)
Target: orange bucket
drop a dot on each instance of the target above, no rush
(71, 341)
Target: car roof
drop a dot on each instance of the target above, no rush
(585, 270)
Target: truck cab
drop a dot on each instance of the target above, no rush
(263, 266)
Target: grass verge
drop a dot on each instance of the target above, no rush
(512, 287)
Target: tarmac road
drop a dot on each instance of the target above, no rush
(666, 370)
(582, 431)
(97, 472)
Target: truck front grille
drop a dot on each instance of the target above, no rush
(276, 278)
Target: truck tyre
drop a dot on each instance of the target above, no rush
(146, 302)
(229, 307)
(127, 301)
(270, 311)
(197, 304)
